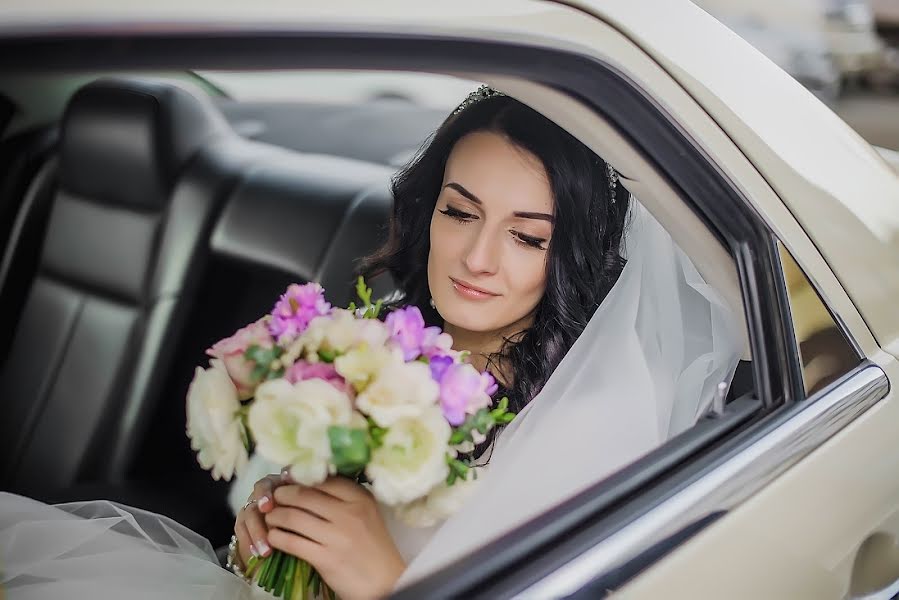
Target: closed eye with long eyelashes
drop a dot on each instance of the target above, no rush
(521, 238)
(455, 213)
(527, 240)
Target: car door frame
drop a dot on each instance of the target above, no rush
(576, 531)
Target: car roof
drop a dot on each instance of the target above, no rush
(835, 185)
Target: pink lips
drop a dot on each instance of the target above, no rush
(466, 290)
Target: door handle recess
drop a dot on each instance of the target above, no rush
(875, 572)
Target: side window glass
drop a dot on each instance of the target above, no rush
(824, 351)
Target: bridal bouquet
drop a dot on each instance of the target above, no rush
(331, 391)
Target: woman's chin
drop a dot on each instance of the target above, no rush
(468, 318)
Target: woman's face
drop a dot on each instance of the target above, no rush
(490, 231)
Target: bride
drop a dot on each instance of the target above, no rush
(511, 235)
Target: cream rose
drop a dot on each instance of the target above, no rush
(401, 390)
(362, 364)
(290, 425)
(441, 502)
(412, 459)
(213, 422)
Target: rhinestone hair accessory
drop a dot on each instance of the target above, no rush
(482, 93)
(613, 180)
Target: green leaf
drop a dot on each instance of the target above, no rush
(351, 307)
(275, 374)
(363, 291)
(327, 356)
(376, 434)
(262, 356)
(245, 437)
(350, 450)
(259, 373)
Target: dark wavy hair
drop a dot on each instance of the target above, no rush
(584, 251)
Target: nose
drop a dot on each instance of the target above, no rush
(483, 253)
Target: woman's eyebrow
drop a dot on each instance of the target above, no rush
(535, 215)
(459, 188)
(520, 214)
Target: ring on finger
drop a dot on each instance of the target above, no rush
(249, 503)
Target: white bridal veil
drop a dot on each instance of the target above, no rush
(645, 368)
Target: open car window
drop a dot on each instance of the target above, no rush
(279, 214)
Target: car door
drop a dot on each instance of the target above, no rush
(828, 527)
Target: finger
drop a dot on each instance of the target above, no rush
(300, 522)
(258, 531)
(263, 491)
(343, 488)
(245, 547)
(313, 500)
(299, 546)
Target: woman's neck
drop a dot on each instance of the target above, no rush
(486, 344)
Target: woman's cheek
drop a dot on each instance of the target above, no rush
(529, 275)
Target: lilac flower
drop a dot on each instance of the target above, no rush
(439, 364)
(464, 391)
(295, 309)
(407, 329)
(436, 343)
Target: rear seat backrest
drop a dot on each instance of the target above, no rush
(115, 258)
(308, 216)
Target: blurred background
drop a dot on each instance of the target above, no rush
(846, 52)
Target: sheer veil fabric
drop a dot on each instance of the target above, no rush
(101, 550)
(645, 368)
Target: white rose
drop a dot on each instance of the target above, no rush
(313, 338)
(213, 422)
(361, 365)
(338, 332)
(290, 425)
(441, 503)
(341, 330)
(401, 390)
(412, 459)
(372, 332)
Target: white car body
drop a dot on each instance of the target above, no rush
(830, 198)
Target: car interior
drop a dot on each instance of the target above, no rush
(144, 217)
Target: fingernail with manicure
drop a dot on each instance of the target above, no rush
(254, 551)
(263, 501)
(263, 548)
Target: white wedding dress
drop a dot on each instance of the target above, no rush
(645, 368)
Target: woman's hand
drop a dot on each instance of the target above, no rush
(250, 527)
(336, 527)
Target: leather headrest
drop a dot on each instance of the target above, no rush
(124, 141)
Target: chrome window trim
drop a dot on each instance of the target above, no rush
(727, 485)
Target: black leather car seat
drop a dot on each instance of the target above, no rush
(109, 291)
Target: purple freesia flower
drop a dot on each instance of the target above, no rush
(302, 370)
(435, 342)
(295, 309)
(464, 391)
(407, 329)
(439, 365)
